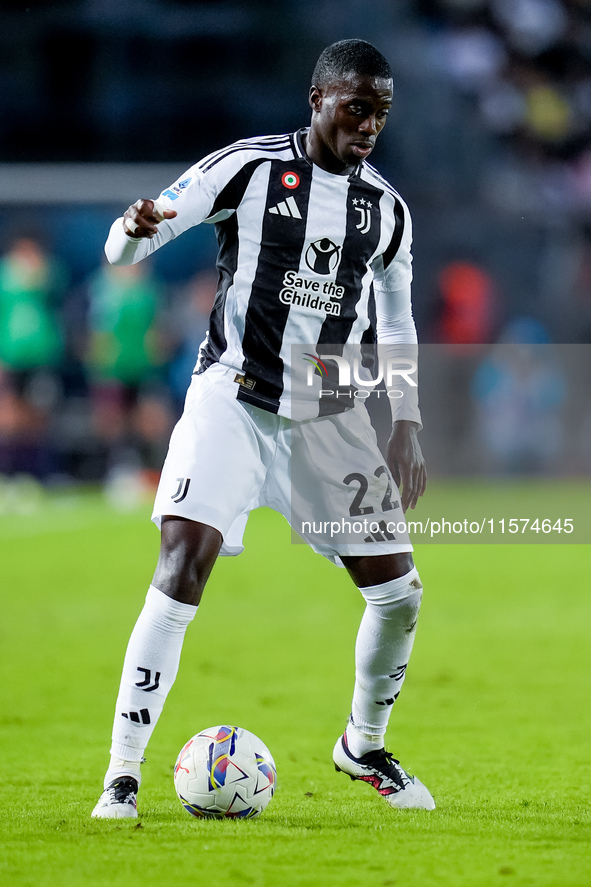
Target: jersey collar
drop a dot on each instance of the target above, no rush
(299, 147)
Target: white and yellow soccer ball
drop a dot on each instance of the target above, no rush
(225, 772)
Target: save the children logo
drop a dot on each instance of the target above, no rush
(322, 256)
(310, 294)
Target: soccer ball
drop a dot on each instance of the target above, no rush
(225, 772)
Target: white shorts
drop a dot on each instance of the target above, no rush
(326, 475)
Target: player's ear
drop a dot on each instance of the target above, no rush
(315, 98)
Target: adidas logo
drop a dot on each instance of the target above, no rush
(389, 701)
(384, 536)
(287, 207)
(135, 716)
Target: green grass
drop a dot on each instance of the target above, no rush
(494, 717)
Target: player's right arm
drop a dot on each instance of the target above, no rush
(130, 236)
(142, 219)
(149, 224)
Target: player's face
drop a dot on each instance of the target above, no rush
(347, 117)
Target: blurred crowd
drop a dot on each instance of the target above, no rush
(494, 140)
(92, 377)
(527, 64)
(489, 142)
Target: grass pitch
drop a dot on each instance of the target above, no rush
(494, 716)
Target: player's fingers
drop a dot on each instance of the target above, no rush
(139, 229)
(130, 226)
(423, 484)
(150, 210)
(395, 470)
(415, 486)
(160, 211)
(412, 498)
(413, 495)
(407, 487)
(139, 220)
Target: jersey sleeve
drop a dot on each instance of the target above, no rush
(397, 346)
(201, 194)
(393, 268)
(396, 331)
(395, 323)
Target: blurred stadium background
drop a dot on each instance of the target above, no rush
(104, 101)
(489, 142)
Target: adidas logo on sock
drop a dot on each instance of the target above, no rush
(287, 207)
(143, 715)
(389, 701)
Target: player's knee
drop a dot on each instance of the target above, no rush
(399, 599)
(407, 610)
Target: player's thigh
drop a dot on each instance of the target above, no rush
(344, 498)
(215, 462)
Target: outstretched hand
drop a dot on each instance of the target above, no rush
(406, 462)
(142, 219)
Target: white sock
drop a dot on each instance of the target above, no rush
(149, 670)
(359, 743)
(383, 648)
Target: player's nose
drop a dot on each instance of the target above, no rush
(369, 126)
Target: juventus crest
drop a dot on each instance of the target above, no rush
(363, 207)
(182, 489)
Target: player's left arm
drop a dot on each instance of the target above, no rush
(397, 341)
(406, 462)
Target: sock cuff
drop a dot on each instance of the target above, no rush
(394, 590)
(373, 735)
(163, 605)
(127, 752)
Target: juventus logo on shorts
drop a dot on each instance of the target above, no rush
(182, 489)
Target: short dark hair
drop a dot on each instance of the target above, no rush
(350, 57)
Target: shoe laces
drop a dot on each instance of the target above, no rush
(123, 787)
(387, 764)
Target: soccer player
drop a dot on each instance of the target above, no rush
(293, 213)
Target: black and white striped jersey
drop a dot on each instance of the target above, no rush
(301, 253)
